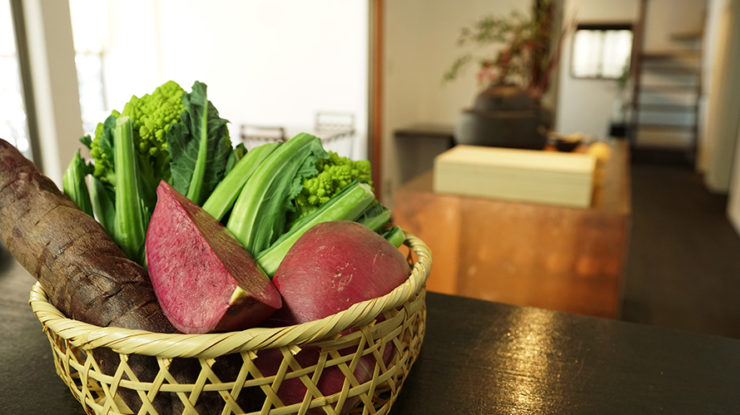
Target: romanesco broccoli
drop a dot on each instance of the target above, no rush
(335, 173)
(152, 115)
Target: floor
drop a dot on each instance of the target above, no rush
(683, 266)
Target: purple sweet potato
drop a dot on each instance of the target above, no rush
(204, 279)
(331, 267)
(83, 272)
(86, 276)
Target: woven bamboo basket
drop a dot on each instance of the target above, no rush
(111, 370)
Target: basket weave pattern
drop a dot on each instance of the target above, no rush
(224, 375)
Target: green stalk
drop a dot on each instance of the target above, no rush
(196, 184)
(103, 205)
(130, 226)
(224, 195)
(74, 184)
(259, 213)
(375, 217)
(349, 204)
(395, 236)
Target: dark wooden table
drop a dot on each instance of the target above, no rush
(478, 358)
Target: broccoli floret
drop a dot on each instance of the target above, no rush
(152, 115)
(335, 173)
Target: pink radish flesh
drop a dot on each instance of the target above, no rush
(331, 267)
(196, 267)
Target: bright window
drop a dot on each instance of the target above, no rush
(601, 51)
(89, 19)
(13, 126)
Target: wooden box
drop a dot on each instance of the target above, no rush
(524, 175)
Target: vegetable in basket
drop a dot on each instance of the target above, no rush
(196, 265)
(174, 136)
(331, 267)
(74, 184)
(284, 189)
(83, 272)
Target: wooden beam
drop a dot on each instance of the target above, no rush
(51, 65)
(375, 94)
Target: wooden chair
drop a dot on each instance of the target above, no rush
(337, 131)
(256, 135)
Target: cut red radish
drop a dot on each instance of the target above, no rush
(203, 278)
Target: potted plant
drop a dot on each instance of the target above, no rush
(515, 58)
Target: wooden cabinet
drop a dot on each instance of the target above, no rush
(560, 258)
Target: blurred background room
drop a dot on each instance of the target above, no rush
(633, 103)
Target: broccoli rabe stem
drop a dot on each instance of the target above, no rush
(130, 226)
(395, 236)
(347, 205)
(74, 184)
(259, 214)
(196, 184)
(103, 205)
(224, 195)
(375, 217)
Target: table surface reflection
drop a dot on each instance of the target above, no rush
(478, 358)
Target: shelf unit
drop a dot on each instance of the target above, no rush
(666, 94)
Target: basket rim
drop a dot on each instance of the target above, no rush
(173, 345)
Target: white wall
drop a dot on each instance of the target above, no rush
(731, 12)
(265, 62)
(723, 113)
(585, 105)
(419, 45)
(662, 16)
(733, 206)
(709, 53)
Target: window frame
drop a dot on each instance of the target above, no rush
(600, 26)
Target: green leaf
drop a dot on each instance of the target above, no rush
(237, 154)
(199, 146)
(74, 184)
(103, 201)
(395, 236)
(148, 181)
(349, 204)
(224, 195)
(86, 141)
(259, 214)
(456, 67)
(105, 146)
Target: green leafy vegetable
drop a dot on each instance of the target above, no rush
(375, 217)
(395, 236)
(260, 213)
(223, 197)
(348, 205)
(103, 200)
(239, 152)
(74, 184)
(131, 153)
(152, 115)
(130, 218)
(334, 174)
(199, 146)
